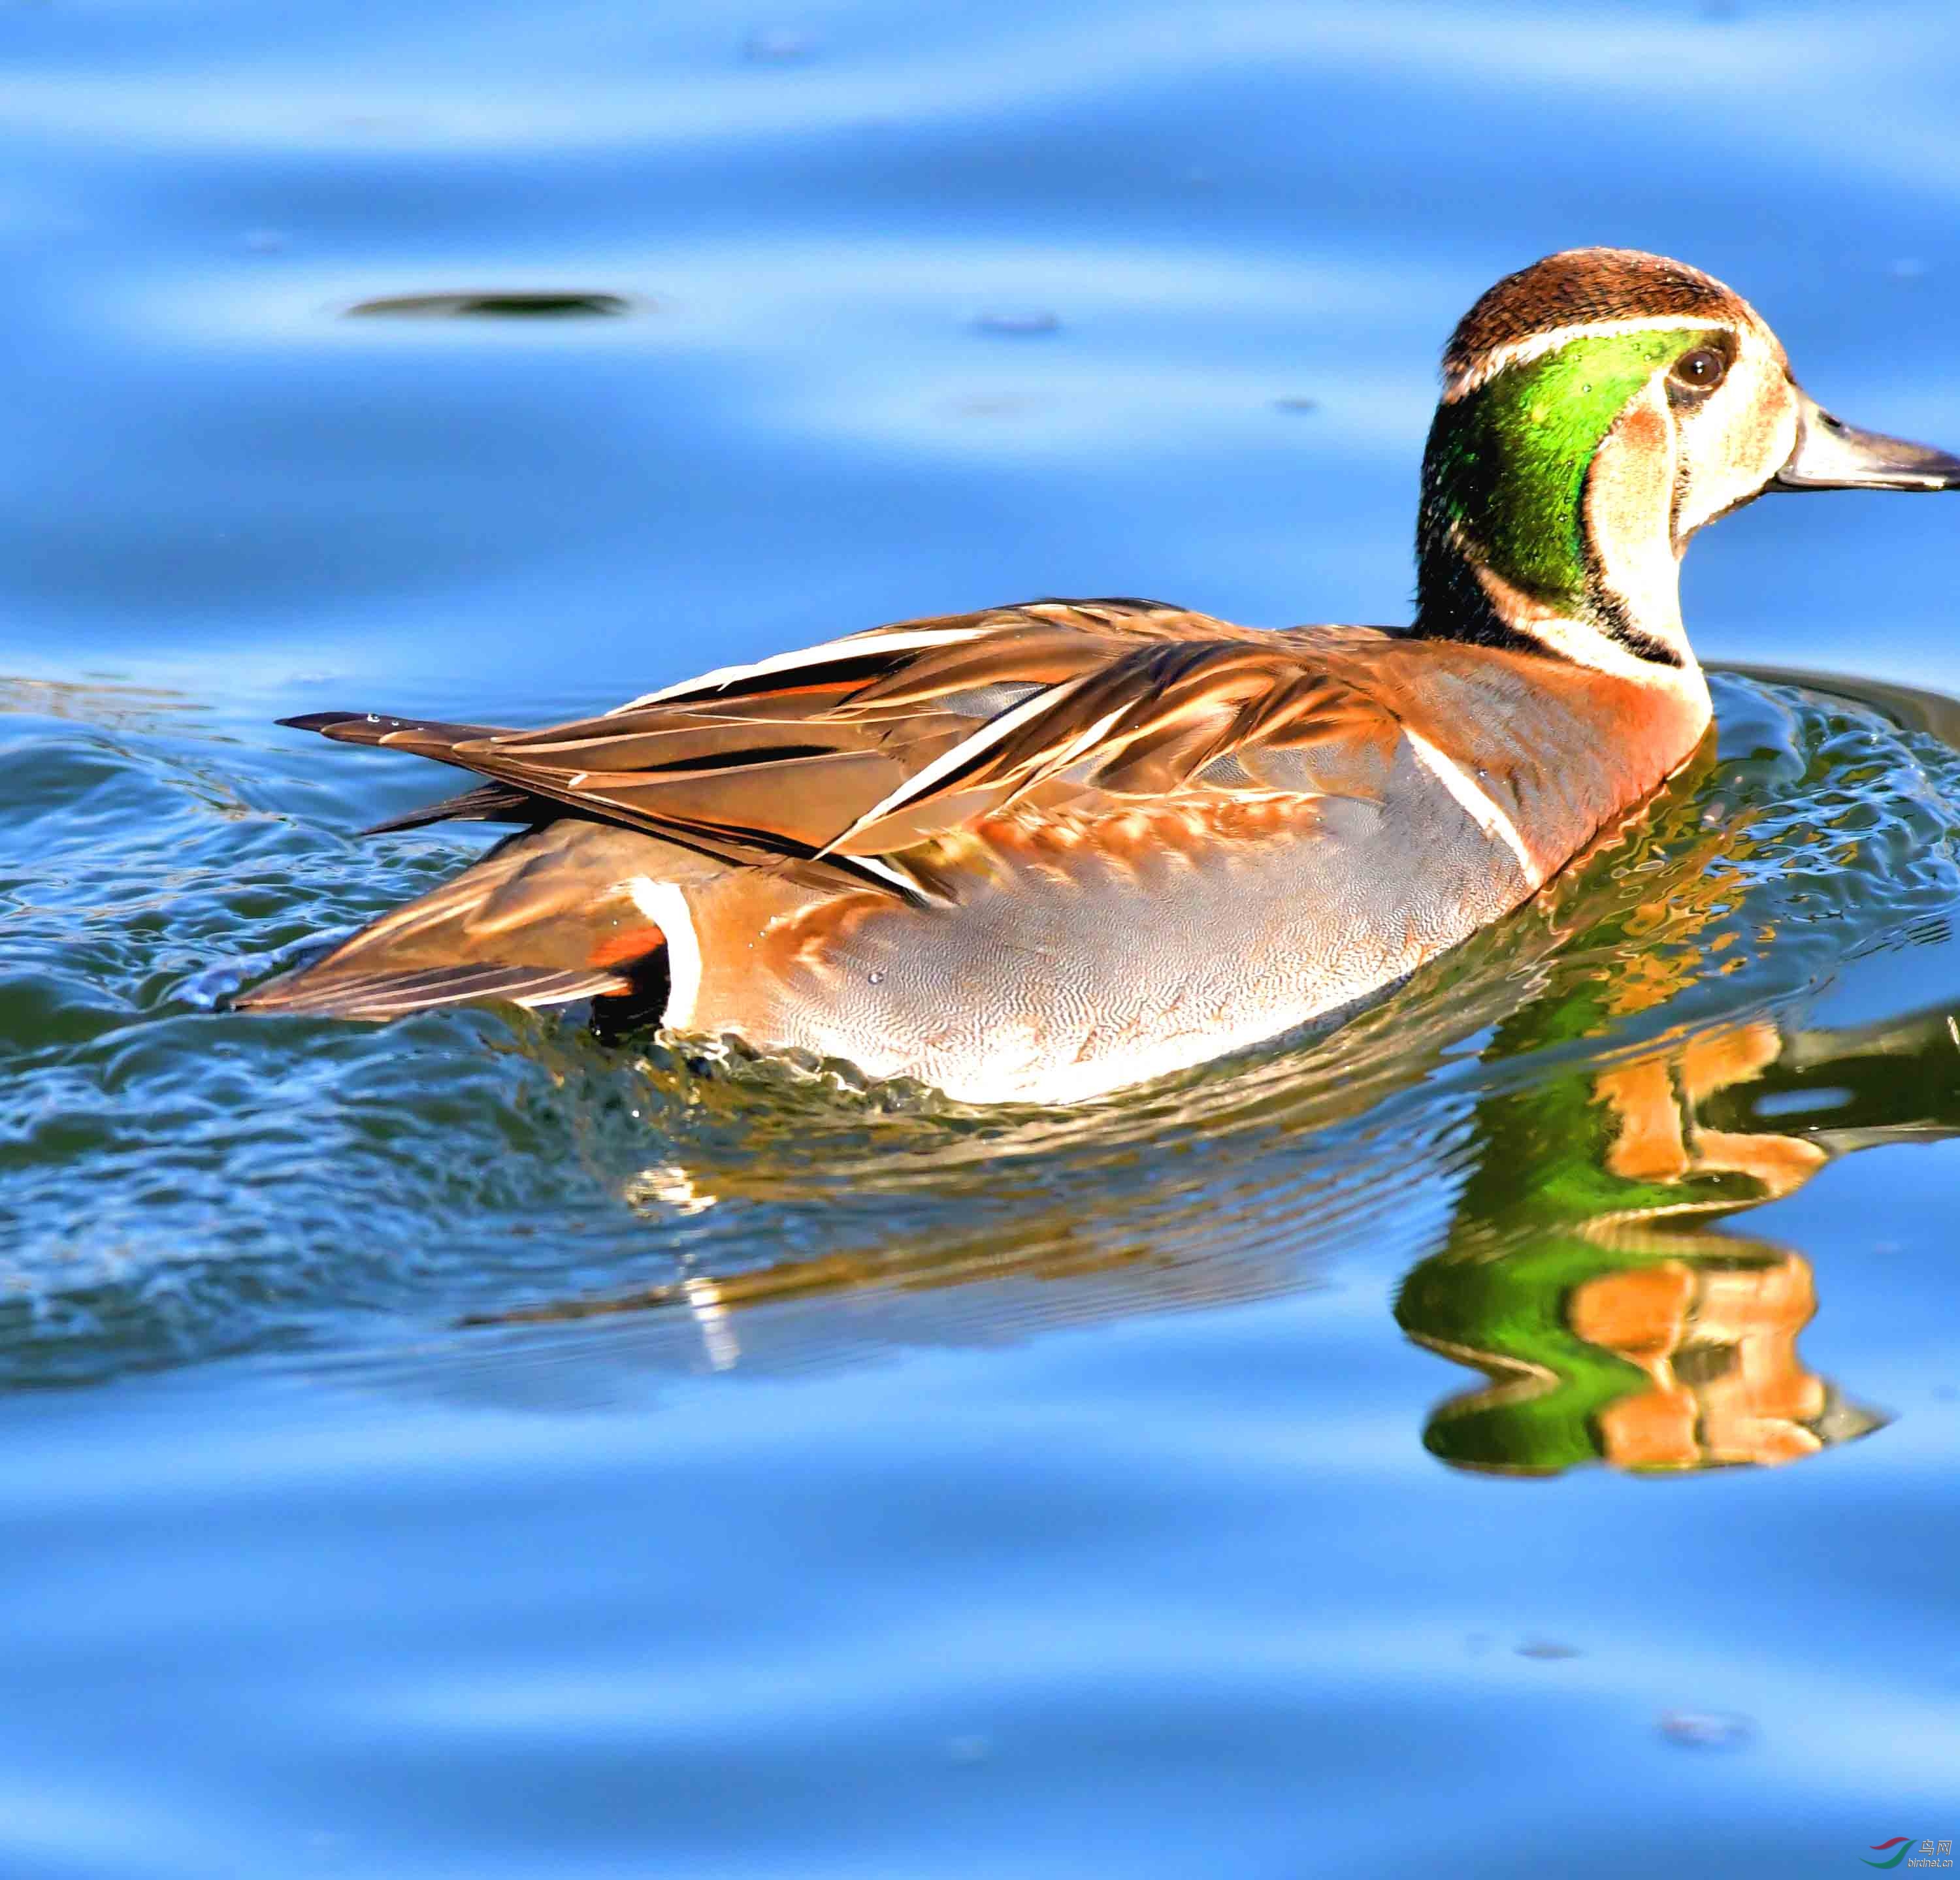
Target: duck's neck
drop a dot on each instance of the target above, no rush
(1546, 523)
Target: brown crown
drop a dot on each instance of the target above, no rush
(1582, 284)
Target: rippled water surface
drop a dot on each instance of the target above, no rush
(478, 1446)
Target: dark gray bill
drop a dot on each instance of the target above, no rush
(1830, 454)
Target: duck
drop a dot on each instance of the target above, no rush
(1042, 853)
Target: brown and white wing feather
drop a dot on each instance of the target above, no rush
(1158, 720)
(831, 762)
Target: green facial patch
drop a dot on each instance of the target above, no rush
(1506, 465)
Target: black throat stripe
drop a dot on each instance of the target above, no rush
(1610, 617)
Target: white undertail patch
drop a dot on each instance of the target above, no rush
(1475, 803)
(665, 906)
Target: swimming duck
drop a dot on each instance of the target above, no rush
(1045, 851)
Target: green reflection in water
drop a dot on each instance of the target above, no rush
(1583, 1275)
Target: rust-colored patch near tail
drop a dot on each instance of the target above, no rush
(632, 943)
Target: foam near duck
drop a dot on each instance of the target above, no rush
(1045, 851)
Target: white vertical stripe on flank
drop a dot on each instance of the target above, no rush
(665, 906)
(1475, 804)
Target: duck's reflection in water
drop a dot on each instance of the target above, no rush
(1613, 1322)
(1586, 1267)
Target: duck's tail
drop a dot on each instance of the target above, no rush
(548, 917)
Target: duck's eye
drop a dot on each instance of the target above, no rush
(1700, 371)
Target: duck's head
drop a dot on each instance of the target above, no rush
(1598, 408)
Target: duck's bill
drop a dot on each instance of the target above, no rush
(1830, 454)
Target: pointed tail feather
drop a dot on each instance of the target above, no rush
(544, 918)
(489, 802)
(427, 737)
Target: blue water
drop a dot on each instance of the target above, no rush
(1060, 1492)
